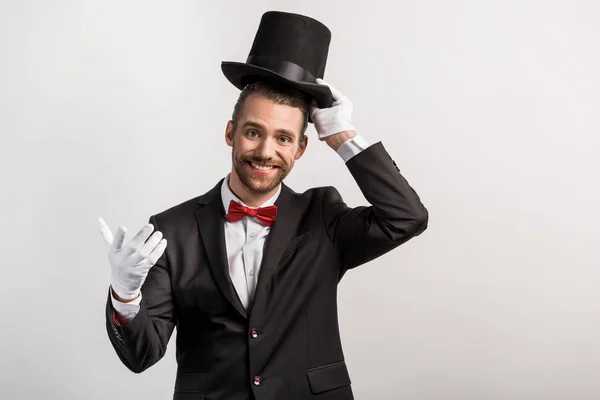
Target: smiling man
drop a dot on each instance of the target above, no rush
(267, 133)
(250, 274)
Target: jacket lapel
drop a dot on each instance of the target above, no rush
(290, 208)
(210, 217)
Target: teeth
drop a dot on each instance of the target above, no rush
(262, 167)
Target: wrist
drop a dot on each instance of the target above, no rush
(127, 297)
(337, 139)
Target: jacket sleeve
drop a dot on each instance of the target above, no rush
(395, 215)
(143, 341)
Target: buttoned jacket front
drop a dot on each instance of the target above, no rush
(286, 343)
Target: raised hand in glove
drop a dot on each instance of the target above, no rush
(130, 264)
(335, 119)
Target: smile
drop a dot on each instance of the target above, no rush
(262, 169)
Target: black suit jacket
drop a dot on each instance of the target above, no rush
(288, 342)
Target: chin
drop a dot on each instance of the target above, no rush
(256, 182)
(261, 190)
(260, 186)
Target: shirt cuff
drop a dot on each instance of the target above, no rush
(352, 147)
(126, 311)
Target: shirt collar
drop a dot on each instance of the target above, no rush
(227, 195)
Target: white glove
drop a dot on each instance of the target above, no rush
(130, 264)
(335, 119)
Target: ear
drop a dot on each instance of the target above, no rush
(229, 133)
(301, 148)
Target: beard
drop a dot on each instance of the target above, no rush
(257, 182)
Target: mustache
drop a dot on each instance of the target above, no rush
(259, 160)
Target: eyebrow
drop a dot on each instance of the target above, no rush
(260, 126)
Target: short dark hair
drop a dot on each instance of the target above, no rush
(277, 93)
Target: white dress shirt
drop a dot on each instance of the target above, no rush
(244, 241)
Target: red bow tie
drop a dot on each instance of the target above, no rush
(265, 215)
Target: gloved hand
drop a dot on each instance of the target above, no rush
(335, 119)
(130, 264)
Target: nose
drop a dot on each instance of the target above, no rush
(266, 148)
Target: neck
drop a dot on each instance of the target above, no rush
(250, 198)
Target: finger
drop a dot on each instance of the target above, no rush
(140, 237)
(119, 238)
(147, 247)
(313, 111)
(105, 232)
(158, 251)
(337, 95)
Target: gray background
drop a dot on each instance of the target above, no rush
(490, 109)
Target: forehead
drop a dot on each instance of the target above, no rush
(260, 109)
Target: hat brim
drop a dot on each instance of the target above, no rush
(240, 73)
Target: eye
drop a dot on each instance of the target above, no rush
(285, 139)
(252, 133)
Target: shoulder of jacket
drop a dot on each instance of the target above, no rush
(174, 213)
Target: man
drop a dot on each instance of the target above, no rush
(250, 273)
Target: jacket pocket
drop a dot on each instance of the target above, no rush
(189, 382)
(328, 377)
(188, 396)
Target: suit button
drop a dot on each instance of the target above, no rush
(254, 333)
(256, 380)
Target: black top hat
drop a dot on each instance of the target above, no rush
(288, 48)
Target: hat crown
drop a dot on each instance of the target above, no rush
(293, 38)
(289, 49)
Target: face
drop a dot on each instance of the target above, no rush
(266, 143)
